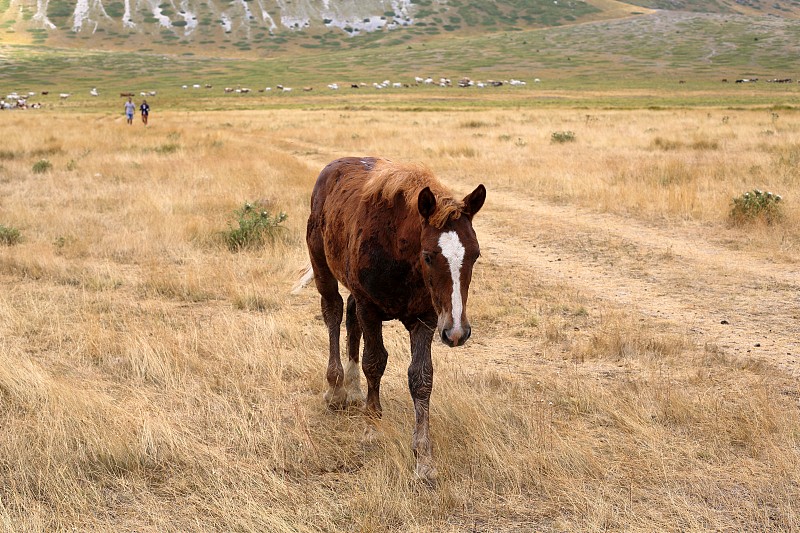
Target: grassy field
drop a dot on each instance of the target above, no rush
(633, 364)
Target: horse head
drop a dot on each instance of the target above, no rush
(449, 249)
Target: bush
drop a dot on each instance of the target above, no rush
(9, 236)
(562, 137)
(42, 166)
(169, 148)
(256, 227)
(755, 206)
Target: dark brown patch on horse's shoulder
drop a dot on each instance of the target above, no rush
(386, 278)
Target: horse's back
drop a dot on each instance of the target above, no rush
(333, 219)
(341, 181)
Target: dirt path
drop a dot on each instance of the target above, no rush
(744, 305)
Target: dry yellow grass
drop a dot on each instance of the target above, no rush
(152, 380)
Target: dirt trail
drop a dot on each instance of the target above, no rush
(744, 305)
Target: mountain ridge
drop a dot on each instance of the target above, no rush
(264, 27)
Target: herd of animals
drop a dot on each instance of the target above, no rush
(21, 100)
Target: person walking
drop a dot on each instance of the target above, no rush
(130, 109)
(144, 109)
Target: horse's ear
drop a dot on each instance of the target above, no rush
(426, 203)
(474, 201)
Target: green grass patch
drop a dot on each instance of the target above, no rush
(561, 137)
(9, 236)
(42, 166)
(168, 148)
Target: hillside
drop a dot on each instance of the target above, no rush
(269, 28)
(266, 26)
(613, 47)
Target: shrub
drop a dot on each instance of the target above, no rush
(474, 124)
(42, 166)
(256, 227)
(562, 137)
(169, 148)
(755, 206)
(9, 236)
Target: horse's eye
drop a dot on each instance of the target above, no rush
(427, 258)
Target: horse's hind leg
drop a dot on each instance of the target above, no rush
(352, 373)
(375, 355)
(332, 303)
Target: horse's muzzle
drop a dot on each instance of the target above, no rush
(456, 338)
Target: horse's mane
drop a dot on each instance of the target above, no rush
(387, 180)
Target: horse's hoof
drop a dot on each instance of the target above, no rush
(426, 474)
(356, 399)
(335, 399)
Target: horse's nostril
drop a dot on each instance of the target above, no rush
(467, 333)
(445, 337)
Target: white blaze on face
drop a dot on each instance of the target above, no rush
(453, 251)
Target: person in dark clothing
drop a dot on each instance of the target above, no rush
(145, 111)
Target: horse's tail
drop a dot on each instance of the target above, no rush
(305, 279)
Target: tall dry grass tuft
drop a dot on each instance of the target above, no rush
(152, 379)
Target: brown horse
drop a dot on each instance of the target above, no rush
(404, 248)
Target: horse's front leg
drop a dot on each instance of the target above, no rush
(420, 383)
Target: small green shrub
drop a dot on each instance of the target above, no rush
(169, 148)
(475, 124)
(42, 166)
(562, 137)
(755, 206)
(255, 226)
(9, 236)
